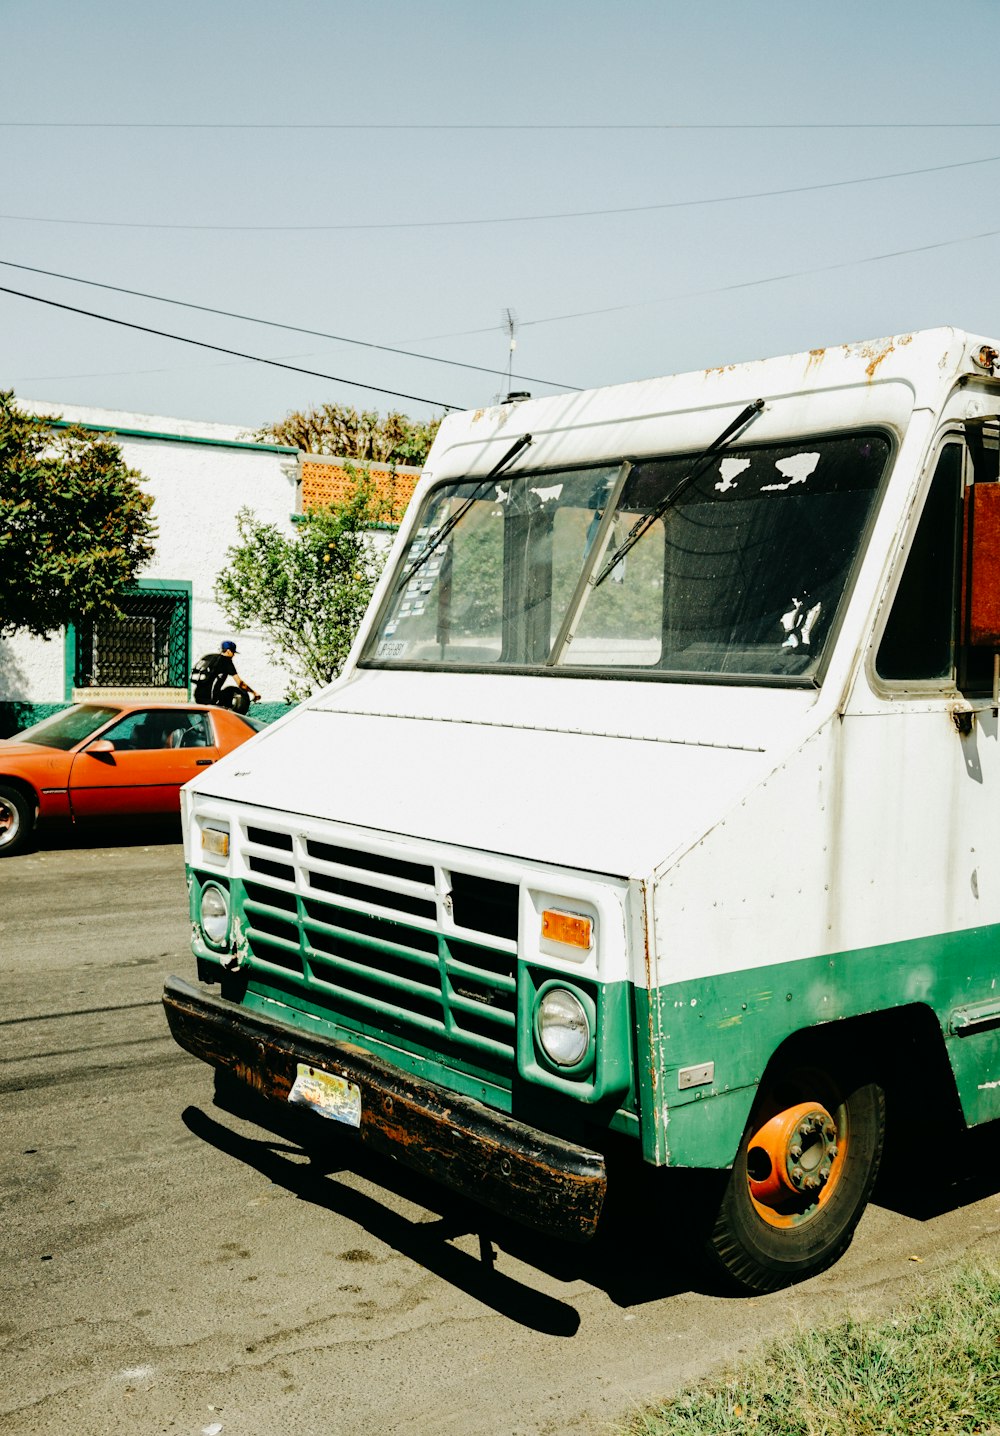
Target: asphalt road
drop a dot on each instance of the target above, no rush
(170, 1267)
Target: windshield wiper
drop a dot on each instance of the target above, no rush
(456, 518)
(647, 521)
(593, 556)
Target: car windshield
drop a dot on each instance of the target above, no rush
(737, 565)
(66, 729)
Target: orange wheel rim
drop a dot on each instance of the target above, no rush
(795, 1162)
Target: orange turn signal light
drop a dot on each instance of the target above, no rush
(214, 840)
(567, 927)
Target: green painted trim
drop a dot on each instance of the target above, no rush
(738, 1021)
(607, 1078)
(152, 585)
(470, 1083)
(155, 585)
(141, 585)
(707, 1133)
(510, 1079)
(267, 994)
(876, 1000)
(69, 661)
(627, 1123)
(170, 438)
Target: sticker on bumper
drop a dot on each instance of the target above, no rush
(328, 1095)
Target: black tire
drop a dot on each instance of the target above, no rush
(758, 1255)
(234, 699)
(17, 820)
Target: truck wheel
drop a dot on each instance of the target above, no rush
(15, 821)
(801, 1179)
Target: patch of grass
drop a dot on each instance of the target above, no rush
(932, 1367)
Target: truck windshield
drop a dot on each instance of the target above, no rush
(743, 574)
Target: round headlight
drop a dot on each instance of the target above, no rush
(563, 1028)
(214, 915)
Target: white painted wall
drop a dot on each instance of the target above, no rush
(197, 489)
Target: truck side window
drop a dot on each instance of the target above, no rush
(919, 639)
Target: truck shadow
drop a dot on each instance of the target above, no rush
(427, 1242)
(922, 1182)
(643, 1205)
(636, 1193)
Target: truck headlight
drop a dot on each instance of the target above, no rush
(563, 1027)
(214, 915)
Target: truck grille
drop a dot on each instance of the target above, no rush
(420, 954)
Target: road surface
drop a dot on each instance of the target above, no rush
(170, 1267)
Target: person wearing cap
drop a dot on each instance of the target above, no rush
(232, 683)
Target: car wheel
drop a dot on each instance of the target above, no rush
(801, 1179)
(16, 820)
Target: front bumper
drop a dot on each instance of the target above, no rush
(527, 1175)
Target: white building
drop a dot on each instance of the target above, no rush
(199, 476)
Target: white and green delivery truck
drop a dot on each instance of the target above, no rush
(658, 802)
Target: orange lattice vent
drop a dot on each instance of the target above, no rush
(328, 481)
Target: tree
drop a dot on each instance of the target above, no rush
(75, 525)
(307, 593)
(339, 430)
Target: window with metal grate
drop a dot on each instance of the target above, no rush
(146, 647)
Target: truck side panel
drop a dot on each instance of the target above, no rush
(862, 876)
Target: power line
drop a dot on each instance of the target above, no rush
(588, 126)
(728, 288)
(236, 353)
(550, 319)
(500, 219)
(274, 324)
(133, 373)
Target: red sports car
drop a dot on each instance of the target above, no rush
(105, 760)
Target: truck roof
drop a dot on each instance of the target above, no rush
(622, 418)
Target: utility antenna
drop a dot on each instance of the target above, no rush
(509, 325)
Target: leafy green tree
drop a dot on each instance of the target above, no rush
(339, 430)
(75, 524)
(307, 593)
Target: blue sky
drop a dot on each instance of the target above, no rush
(221, 216)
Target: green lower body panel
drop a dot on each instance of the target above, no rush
(735, 1022)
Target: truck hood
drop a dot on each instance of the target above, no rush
(606, 777)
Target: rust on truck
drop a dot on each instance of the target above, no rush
(532, 1177)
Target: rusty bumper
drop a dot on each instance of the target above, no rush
(527, 1175)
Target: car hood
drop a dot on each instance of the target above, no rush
(10, 748)
(597, 779)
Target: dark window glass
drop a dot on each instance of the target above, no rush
(189, 730)
(64, 730)
(146, 646)
(739, 566)
(919, 639)
(158, 728)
